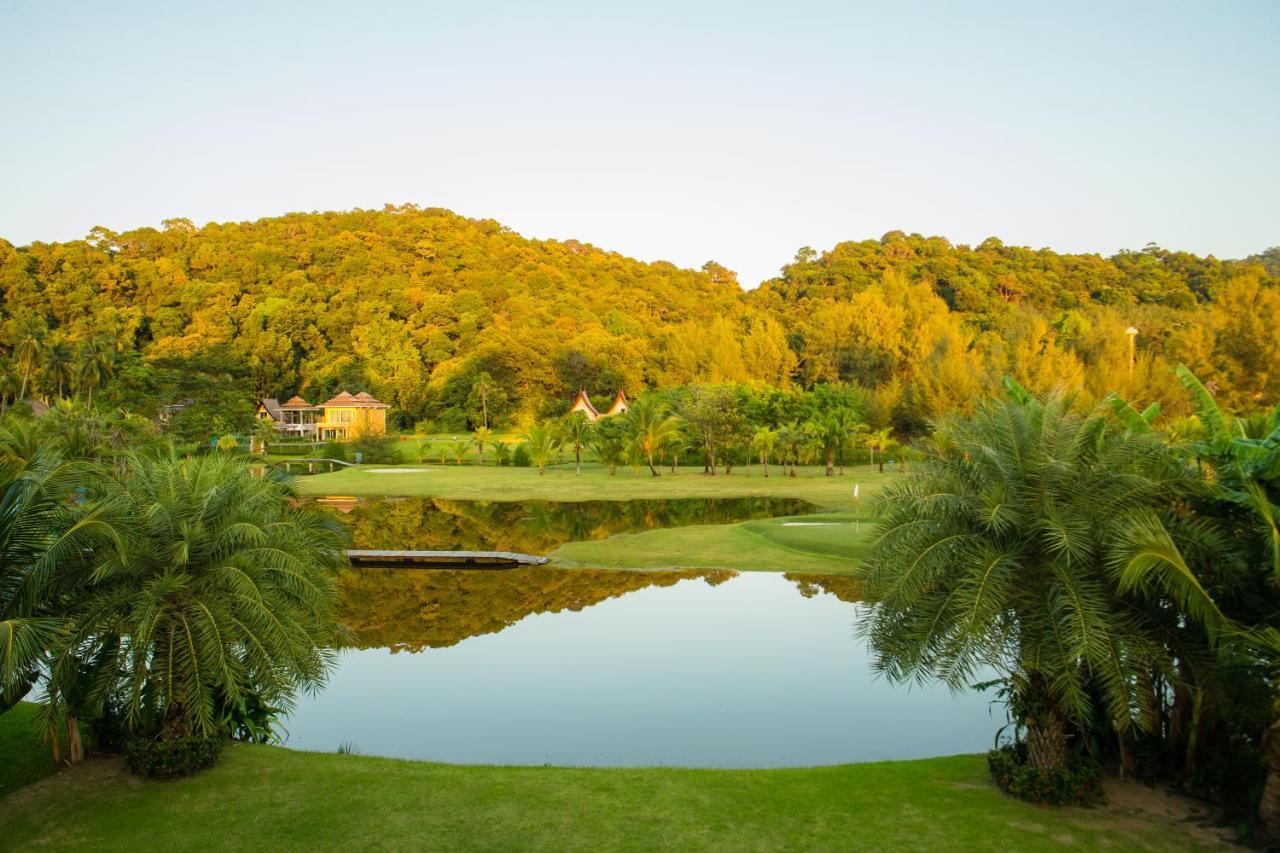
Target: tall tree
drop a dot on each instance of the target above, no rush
(1001, 551)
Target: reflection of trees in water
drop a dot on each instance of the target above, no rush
(416, 609)
(842, 587)
(537, 527)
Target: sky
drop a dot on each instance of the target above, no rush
(686, 132)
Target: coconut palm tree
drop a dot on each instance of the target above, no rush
(576, 432)
(652, 427)
(1013, 548)
(59, 366)
(28, 348)
(483, 436)
(218, 588)
(763, 444)
(539, 440)
(97, 363)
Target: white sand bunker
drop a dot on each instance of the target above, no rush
(397, 470)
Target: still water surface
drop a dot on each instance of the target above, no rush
(535, 666)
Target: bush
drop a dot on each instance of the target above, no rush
(521, 458)
(334, 450)
(375, 449)
(168, 759)
(1080, 785)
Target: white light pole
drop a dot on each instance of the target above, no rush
(1132, 332)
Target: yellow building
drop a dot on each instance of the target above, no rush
(348, 416)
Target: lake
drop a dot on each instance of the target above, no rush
(696, 669)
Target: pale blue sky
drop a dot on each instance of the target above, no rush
(676, 131)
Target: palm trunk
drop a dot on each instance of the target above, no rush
(1047, 742)
(831, 464)
(75, 747)
(577, 455)
(1269, 806)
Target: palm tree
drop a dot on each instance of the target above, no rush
(28, 348)
(1243, 455)
(45, 543)
(540, 442)
(59, 366)
(793, 439)
(219, 589)
(1003, 549)
(459, 451)
(763, 443)
(264, 433)
(610, 450)
(828, 431)
(8, 385)
(501, 453)
(652, 426)
(97, 363)
(576, 432)
(482, 437)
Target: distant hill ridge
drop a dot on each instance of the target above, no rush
(414, 304)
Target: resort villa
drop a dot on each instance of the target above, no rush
(342, 417)
(582, 403)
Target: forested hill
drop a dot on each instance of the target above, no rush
(416, 304)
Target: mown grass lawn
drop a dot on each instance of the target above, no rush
(23, 759)
(828, 543)
(560, 483)
(268, 798)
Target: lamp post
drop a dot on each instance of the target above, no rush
(1132, 332)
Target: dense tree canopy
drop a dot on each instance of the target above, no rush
(462, 322)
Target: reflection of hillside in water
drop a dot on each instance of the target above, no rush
(416, 609)
(538, 527)
(842, 587)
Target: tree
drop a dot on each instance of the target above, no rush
(763, 443)
(539, 439)
(59, 366)
(97, 364)
(1002, 550)
(792, 437)
(218, 589)
(576, 432)
(45, 543)
(652, 427)
(459, 451)
(482, 437)
(28, 347)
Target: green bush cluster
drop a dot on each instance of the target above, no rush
(168, 759)
(521, 458)
(1078, 785)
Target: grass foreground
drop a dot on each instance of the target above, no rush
(561, 483)
(828, 543)
(261, 797)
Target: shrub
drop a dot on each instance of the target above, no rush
(167, 759)
(375, 449)
(521, 458)
(334, 450)
(1080, 785)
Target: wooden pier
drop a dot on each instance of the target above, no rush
(442, 559)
